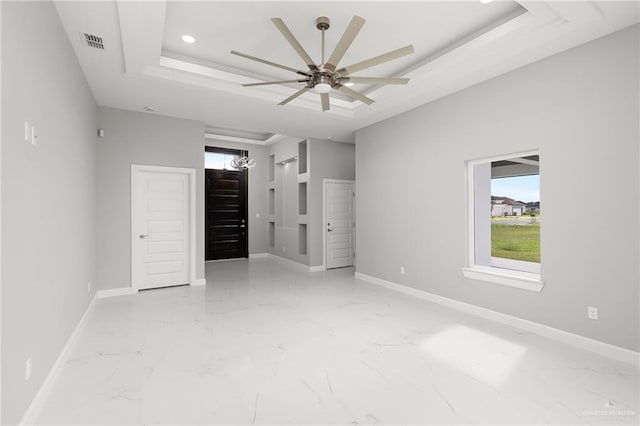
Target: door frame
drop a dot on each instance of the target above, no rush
(245, 172)
(324, 218)
(135, 180)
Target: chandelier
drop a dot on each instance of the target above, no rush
(243, 163)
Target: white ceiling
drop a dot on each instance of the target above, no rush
(457, 43)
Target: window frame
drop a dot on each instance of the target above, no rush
(511, 278)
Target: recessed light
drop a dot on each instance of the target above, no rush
(348, 84)
(485, 1)
(188, 39)
(148, 108)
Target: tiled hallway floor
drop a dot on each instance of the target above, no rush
(266, 345)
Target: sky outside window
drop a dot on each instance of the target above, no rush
(519, 188)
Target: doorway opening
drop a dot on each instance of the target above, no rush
(226, 206)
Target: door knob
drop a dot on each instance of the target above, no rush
(142, 236)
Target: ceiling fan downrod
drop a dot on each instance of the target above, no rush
(323, 24)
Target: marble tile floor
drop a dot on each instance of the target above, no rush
(262, 344)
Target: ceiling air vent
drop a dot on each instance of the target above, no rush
(92, 41)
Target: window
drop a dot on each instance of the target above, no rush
(505, 220)
(220, 158)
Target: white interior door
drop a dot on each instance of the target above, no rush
(161, 227)
(339, 224)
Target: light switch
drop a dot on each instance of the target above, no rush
(27, 131)
(34, 136)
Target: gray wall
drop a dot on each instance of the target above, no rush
(328, 160)
(139, 138)
(257, 196)
(581, 109)
(48, 197)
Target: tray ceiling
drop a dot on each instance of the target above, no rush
(458, 44)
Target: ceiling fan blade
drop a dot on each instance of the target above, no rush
(373, 80)
(325, 101)
(274, 82)
(264, 61)
(295, 95)
(279, 23)
(345, 41)
(386, 57)
(355, 95)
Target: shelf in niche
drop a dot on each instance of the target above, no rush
(302, 157)
(272, 201)
(302, 239)
(272, 234)
(304, 177)
(303, 218)
(271, 185)
(272, 168)
(302, 198)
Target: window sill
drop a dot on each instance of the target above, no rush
(522, 280)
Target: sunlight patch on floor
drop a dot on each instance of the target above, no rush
(483, 356)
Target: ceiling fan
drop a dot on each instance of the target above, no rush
(326, 76)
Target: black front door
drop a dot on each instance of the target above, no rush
(226, 214)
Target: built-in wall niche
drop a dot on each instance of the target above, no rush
(302, 157)
(272, 167)
(287, 187)
(302, 238)
(272, 201)
(302, 198)
(272, 234)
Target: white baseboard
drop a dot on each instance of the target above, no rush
(258, 255)
(199, 282)
(113, 292)
(32, 413)
(318, 268)
(601, 348)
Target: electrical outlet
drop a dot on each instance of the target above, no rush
(257, 215)
(592, 312)
(27, 369)
(89, 287)
(402, 270)
(284, 249)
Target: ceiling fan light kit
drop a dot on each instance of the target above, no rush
(322, 88)
(324, 77)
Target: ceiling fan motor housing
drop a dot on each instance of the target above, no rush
(324, 77)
